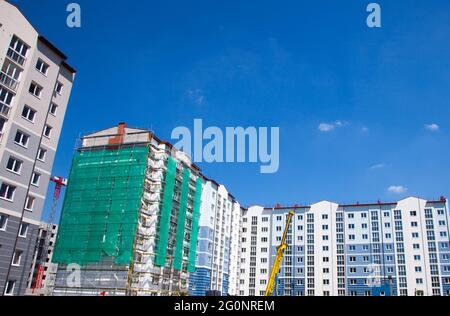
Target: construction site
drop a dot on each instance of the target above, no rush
(130, 217)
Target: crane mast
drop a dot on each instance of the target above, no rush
(279, 257)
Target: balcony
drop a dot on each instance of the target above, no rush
(16, 57)
(4, 110)
(8, 81)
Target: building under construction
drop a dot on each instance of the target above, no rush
(129, 224)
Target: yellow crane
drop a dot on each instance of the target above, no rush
(279, 258)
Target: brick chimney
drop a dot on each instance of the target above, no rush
(118, 139)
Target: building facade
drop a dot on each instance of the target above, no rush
(218, 243)
(375, 249)
(129, 223)
(35, 85)
(41, 278)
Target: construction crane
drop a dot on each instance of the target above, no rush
(279, 258)
(60, 182)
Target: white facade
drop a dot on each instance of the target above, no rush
(218, 242)
(397, 248)
(35, 86)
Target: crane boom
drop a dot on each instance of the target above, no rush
(279, 257)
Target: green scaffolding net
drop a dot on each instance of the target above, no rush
(179, 246)
(195, 220)
(101, 208)
(164, 221)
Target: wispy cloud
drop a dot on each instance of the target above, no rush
(377, 166)
(365, 129)
(398, 189)
(196, 95)
(432, 127)
(328, 127)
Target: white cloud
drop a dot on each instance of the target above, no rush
(325, 127)
(397, 189)
(365, 129)
(328, 127)
(377, 166)
(432, 127)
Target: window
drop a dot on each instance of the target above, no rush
(42, 67)
(47, 131)
(42, 153)
(21, 139)
(14, 165)
(17, 258)
(29, 203)
(3, 222)
(23, 230)
(18, 50)
(9, 289)
(35, 89)
(7, 191)
(413, 224)
(419, 281)
(59, 87)
(413, 213)
(28, 113)
(351, 215)
(35, 179)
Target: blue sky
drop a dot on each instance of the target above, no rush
(351, 102)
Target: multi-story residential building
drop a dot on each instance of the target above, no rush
(35, 85)
(129, 223)
(41, 278)
(399, 248)
(218, 243)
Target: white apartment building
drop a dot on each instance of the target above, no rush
(399, 248)
(217, 262)
(35, 85)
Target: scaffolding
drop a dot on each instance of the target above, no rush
(166, 238)
(130, 220)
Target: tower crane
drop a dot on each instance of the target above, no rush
(279, 257)
(60, 182)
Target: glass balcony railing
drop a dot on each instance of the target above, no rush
(15, 56)
(8, 81)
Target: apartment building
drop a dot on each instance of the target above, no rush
(41, 278)
(129, 223)
(35, 85)
(399, 248)
(218, 244)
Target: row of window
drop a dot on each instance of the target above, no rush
(279, 218)
(7, 192)
(23, 231)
